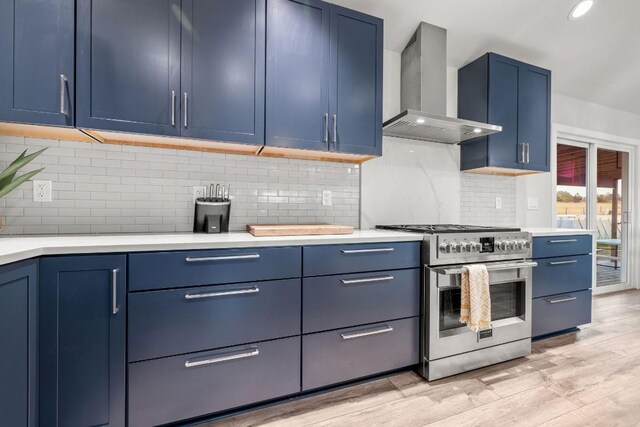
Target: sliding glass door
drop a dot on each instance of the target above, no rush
(593, 193)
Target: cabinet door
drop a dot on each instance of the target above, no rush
(297, 74)
(129, 65)
(18, 287)
(534, 116)
(82, 340)
(37, 70)
(504, 150)
(223, 70)
(355, 96)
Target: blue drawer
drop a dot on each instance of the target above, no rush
(340, 259)
(332, 302)
(169, 322)
(337, 356)
(556, 246)
(560, 312)
(560, 275)
(161, 270)
(167, 390)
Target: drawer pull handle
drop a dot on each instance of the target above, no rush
(366, 334)
(253, 290)
(114, 291)
(223, 258)
(365, 251)
(573, 261)
(558, 301)
(564, 241)
(367, 280)
(253, 353)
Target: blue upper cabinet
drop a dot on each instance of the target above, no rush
(82, 336)
(356, 82)
(297, 74)
(18, 328)
(324, 78)
(223, 70)
(516, 96)
(128, 54)
(37, 69)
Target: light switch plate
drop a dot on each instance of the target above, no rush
(498, 202)
(41, 191)
(532, 203)
(326, 198)
(199, 191)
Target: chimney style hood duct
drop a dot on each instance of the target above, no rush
(424, 94)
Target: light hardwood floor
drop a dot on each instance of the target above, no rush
(587, 378)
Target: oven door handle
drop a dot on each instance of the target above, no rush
(495, 267)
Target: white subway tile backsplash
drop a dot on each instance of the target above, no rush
(102, 188)
(478, 199)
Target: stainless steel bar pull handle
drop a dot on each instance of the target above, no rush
(114, 291)
(335, 130)
(573, 261)
(365, 251)
(173, 108)
(222, 258)
(557, 301)
(367, 280)
(253, 290)
(496, 267)
(326, 128)
(522, 152)
(563, 241)
(366, 334)
(528, 152)
(63, 93)
(186, 110)
(253, 353)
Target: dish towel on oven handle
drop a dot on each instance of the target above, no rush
(475, 304)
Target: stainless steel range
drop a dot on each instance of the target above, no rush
(449, 347)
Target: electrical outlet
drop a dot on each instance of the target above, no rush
(532, 203)
(326, 198)
(41, 191)
(498, 202)
(199, 191)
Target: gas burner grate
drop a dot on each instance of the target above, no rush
(445, 228)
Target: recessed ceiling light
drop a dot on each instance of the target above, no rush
(580, 9)
(477, 130)
(420, 121)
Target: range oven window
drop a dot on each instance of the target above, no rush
(507, 300)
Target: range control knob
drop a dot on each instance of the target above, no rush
(456, 247)
(519, 244)
(527, 244)
(502, 245)
(476, 247)
(465, 247)
(445, 248)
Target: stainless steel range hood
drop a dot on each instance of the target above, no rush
(424, 94)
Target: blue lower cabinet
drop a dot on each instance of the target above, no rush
(346, 354)
(182, 387)
(354, 258)
(176, 269)
(82, 330)
(563, 274)
(170, 322)
(18, 290)
(358, 299)
(560, 312)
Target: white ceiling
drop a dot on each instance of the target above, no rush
(596, 58)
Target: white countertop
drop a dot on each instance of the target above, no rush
(542, 231)
(14, 249)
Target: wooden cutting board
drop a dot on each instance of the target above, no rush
(262, 230)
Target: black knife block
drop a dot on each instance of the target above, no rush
(211, 217)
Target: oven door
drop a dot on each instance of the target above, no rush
(510, 287)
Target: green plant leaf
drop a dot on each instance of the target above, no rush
(20, 180)
(6, 180)
(19, 163)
